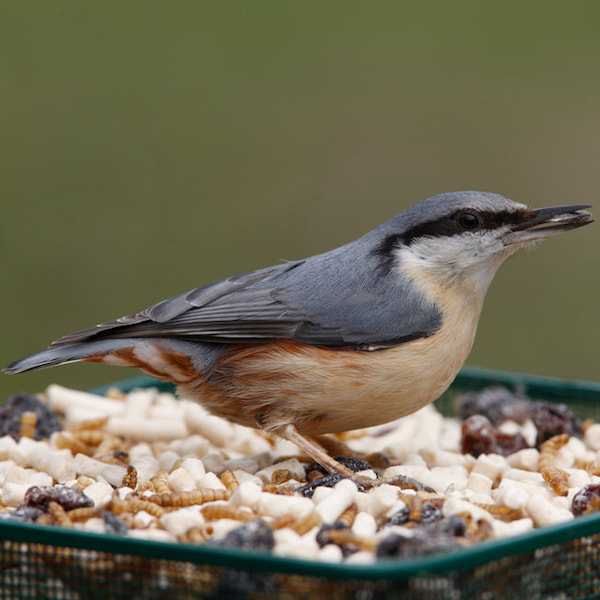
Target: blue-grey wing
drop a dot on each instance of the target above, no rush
(337, 299)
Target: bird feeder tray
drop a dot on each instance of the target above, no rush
(558, 561)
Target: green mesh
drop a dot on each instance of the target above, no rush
(556, 562)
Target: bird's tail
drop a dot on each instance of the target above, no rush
(162, 358)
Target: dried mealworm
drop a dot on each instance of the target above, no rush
(83, 514)
(59, 515)
(348, 516)
(281, 476)
(159, 483)
(304, 525)
(181, 499)
(130, 479)
(550, 449)
(557, 479)
(90, 424)
(230, 481)
(28, 424)
(213, 512)
(136, 505)
(345, 537)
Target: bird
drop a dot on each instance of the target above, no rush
(354, 337)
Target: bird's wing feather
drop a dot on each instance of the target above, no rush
(333, 300)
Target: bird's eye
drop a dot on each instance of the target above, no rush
(468, 220)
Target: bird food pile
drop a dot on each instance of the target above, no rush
(149, 466)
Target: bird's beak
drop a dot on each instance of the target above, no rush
(543, 222)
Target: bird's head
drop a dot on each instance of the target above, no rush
(463, 237)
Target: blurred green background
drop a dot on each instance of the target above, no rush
(151, 147)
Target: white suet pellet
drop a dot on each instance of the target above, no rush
(210, 481)
(61, 399)
(142, 519)
(180, 480)
(591, 437)
(217, 431)
(167, 460)
(114, 474)
(479, 484)
(502, 529)
(193, 446)
(490, 465)
(7, 447)
(331, 507)
(251, 464)
(147, 429)
(364, 524)
(13, 494)
(93, 525)
(275, 505)
(511, 494)
(195, 468)
(138, 403)
(382, 499)
(154, 535)
(331, 553)
(146, 466)
(544, 512)
(522, 475)
(180, 521)
(248, 493)
(100, 493)
(526, 459)
(578, 478)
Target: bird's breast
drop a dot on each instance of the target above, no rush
(325, 390)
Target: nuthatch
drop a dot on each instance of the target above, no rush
(355, 337)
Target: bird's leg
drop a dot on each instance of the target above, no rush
(320, 455)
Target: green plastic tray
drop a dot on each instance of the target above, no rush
(556, 562)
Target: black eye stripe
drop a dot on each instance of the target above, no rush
(444, 227)
(449, 225)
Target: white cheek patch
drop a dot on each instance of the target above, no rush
(470, 257)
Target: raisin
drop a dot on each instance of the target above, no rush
(400, 517)
(323, 534)
(68, 498)
(348, 461)
(421, 543)
(113, 524)
(308, 489)
(553, 419)
(428, 538)
(498, 404)
(15, 406)
(586, 500)
(26, 513)
(479, 436)
(430, 513)
(253, 535)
